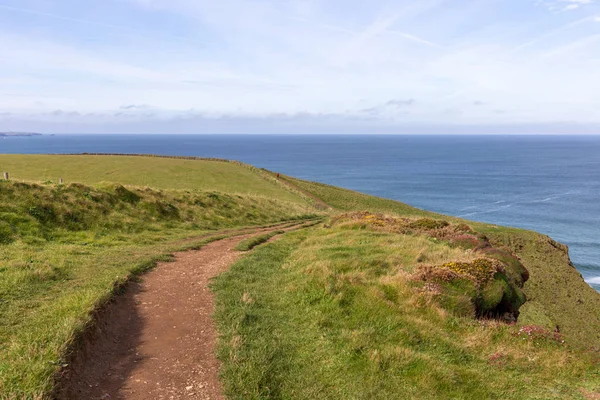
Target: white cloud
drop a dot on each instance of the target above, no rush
(563, 5)
(311, 57)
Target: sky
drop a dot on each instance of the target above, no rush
(300, 66)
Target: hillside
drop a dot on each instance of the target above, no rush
(557, 295)
(155, 172)
(383, 300)
(65, 249)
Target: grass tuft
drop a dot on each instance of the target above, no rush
(250, 243)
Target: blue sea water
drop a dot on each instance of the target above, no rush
(550, 184)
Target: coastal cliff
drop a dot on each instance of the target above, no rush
(387, 300)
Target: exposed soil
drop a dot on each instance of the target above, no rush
(156, 340)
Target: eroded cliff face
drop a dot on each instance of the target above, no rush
(557, 296)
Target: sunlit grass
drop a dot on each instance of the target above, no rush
(65, 248)
(557, 295)
(334, 314)
(154, 172)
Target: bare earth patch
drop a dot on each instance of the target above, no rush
(157, 340)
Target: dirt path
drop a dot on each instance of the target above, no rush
(157, 340)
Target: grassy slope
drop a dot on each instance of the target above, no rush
(154, 172)
(329, 314)
(557, 295)
(63, 248)
(335, 313)
(348, 200)
(360, 332)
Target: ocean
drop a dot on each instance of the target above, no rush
(550, 184)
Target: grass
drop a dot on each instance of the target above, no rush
(349, 200)
(154, 172)
(557, 296)
(379, 304)
(66, 247)
(250, 243)
(333, 313)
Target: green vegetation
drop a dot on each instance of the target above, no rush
(348, 200)
(154, 172)
(557, 297)
(381, 301)
(390, 305)
(489, 280)
(65, 248)
(48, 211)
(250, 243)
(337, 314)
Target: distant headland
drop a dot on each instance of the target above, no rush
(6, 134)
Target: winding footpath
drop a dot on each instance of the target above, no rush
(157, 340)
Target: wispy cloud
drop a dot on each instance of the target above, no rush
(564, 5)
(360, 61)
(117, 122)
(135, 107)
(88, 22)
(401, 103)
(390, 109)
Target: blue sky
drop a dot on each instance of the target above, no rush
(186, 66)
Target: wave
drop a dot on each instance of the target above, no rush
(545, 200)
(518, 202)
(485, 211)
(594, 281)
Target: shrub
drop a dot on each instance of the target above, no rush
(515, 270)
(428, 224)
(126, 195)
(44, 213)
(483, 281)
(429, 273)
(464, 228)
(481, 271)
(465, 241)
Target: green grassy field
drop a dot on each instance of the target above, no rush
(154, 172)
(556, 294)
(383, 304)
(336, 314)
(64, 249)
(349, 200)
